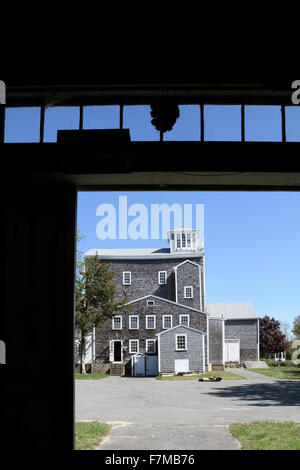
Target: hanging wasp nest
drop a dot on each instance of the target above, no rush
(164, 113)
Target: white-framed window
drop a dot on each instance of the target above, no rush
(181, 342)
(134, 346)
(150, 322)
(178, 241)
(188, 292)
(162, 277)
(167, 322)
(185, 320)
(183, 240)
(133, 322)
(126, 278)
(150, 303)
(117, 322)
(188, 240)
(150, 345)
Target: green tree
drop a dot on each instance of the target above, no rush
(296, 327)
(95, 299)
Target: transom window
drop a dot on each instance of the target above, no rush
(188, 292)
(150, 322)
(167, 321)
(185, 320)
(133, 322)
(198, 122)
(117, 323)
(181, 343)
(162, 277)
(126, 278)
(150, 345)
(134, 346)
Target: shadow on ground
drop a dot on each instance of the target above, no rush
(265, 394)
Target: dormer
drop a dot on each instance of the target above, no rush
(184, 240)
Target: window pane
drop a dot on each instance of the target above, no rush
(292, 115)
(150, 322)
(263, 123)
(151, 345)
(101, 117)
(181, 342)
(183, 240)
(222, 123)
(60, 117)
(117, 323)
(162, 277)
(134, 322)
(134, 346)
(126, 278)
(188, 292)
(184, 320)
(138, 120)
(187, 126)
(22, 125)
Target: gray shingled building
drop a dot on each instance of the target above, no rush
(168, 327)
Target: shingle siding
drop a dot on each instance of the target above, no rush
(104, 334)
(144, 277)
(188, 275)
(247, 332)
(216, 332)
(168, 353)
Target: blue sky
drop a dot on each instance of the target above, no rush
(251, 239)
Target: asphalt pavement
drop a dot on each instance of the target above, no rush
(149, 414)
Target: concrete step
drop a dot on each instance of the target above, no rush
(117, 369)
(256, 365)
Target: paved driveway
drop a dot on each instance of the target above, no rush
(189, 415)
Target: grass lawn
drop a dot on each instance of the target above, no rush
(287, 373)
(91, 376)
(267, 436)
(216, 373)
(89, 435)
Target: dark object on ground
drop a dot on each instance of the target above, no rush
(211, 379)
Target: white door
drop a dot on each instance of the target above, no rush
(232, 350)
(152, 365)
(139, 365)
(182, 365)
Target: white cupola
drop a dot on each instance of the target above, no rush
(183, 240)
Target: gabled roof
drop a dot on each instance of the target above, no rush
(181, 326)
(232, 311)
(166, 300)
(187, 261)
